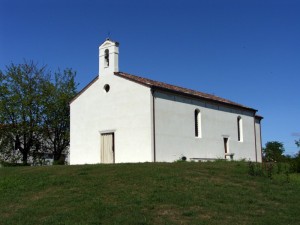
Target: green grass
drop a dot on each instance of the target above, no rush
(148, 193)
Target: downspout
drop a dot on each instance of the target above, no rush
(153, 121)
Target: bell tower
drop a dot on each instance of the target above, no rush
(108, 57)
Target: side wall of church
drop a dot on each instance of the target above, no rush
(175, 129)
(124, 110)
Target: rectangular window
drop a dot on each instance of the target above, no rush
(240, 129)
(197, 123)
(225, 145)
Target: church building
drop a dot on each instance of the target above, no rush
(121, 118)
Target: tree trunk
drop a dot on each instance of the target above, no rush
(25, 157)
(58, 158)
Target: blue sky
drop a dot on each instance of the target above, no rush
(247, 51)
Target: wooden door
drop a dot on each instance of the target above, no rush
(107, 148)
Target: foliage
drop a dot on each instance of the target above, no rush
(33, 109)
(255, 169)
(297, 142)
(181, 159)
(271, 169)
(147, 193)
(273, 152)
(20, 106)
(295, 163)
(56, 129)
(7, 151)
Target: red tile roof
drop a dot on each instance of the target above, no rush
(180, 90)
(170, 88)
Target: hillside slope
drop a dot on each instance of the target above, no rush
(148, 193)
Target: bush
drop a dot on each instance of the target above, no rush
(181, 159)
(295, 165)
(268, 169)
(255, 169)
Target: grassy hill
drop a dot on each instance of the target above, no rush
(148, 193)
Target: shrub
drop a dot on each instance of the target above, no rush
(255, 169)
(181, 159)
(295, 165)
(269, 170)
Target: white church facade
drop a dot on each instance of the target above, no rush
(120, 118)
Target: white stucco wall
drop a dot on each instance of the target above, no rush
(125, 110)
(175, 129)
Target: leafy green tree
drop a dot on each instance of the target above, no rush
(57, 113)
(20, 106)
(273, 152)
(34, 111)
(295, 161)
(298, 143)
(7, 152)
(297, 156)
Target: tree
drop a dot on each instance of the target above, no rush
(295, 161)
(273, 152)
(34, 112)
(298, 143)
(57, 113)
(20, 106)
(7, 152)
(297, 156)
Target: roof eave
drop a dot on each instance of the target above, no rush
(259, 117)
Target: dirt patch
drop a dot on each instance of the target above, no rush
(179, 215)
(41, 194)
